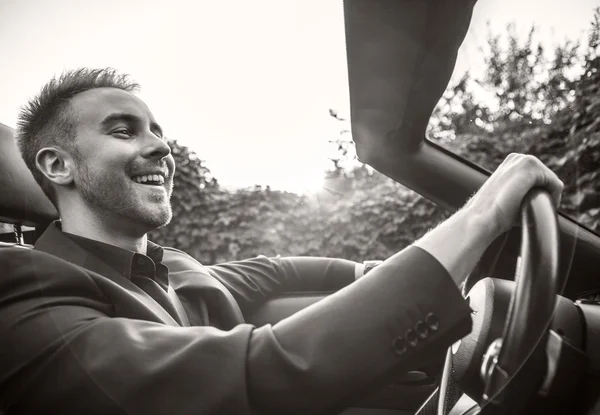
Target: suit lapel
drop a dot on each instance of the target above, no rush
(200, 292)
(54, 242)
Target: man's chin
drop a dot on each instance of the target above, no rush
(164, 222)
(160, 220)
(153, 220)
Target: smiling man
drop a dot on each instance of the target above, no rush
(113, 187)
(97, 319)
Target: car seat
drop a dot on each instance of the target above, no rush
(22, 201)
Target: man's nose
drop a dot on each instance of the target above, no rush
(155, 147)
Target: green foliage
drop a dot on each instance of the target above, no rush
(530, 99)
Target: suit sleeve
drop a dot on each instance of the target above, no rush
(66, 350)
(254, 280)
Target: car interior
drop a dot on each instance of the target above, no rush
(535, 342)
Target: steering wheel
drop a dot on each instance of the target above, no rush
(488, 365)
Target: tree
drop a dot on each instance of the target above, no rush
(546, 106)
(573, 150)
(523, 89)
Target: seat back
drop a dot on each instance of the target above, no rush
(22, 200)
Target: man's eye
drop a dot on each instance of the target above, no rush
(122, 131)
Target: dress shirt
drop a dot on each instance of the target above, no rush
(146, 271)
(128, 263)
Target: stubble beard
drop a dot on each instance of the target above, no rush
(109, 195)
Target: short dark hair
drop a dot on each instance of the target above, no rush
(47, 119)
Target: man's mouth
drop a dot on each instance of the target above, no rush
(150, 179)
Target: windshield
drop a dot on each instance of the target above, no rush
(532, 88)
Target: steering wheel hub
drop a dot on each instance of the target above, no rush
(489, 300)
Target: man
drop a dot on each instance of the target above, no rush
(97, 319)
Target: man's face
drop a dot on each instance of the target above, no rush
(124, 167)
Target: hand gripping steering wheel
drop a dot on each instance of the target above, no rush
(489, 364)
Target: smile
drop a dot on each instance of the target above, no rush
(151, 179)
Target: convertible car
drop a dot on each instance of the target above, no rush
(535, 342)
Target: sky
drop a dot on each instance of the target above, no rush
(246, 84)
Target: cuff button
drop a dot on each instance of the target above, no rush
(422, 330)
(432, 322)
(399, 345)
(411, 338)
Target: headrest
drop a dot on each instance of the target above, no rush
(22, 200)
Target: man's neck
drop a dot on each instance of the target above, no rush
(113, 231)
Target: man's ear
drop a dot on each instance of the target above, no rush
(56, 164)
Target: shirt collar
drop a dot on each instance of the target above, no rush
(128, 263)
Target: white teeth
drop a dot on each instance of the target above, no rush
(149, 178)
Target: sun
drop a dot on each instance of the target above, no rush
(306, 182)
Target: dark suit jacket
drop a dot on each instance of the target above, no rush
(78, 338)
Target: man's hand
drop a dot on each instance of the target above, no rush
(499, 199)
(459, 242)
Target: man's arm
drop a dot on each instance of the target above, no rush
(254, 280)
(470, 234)
(459, 242)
